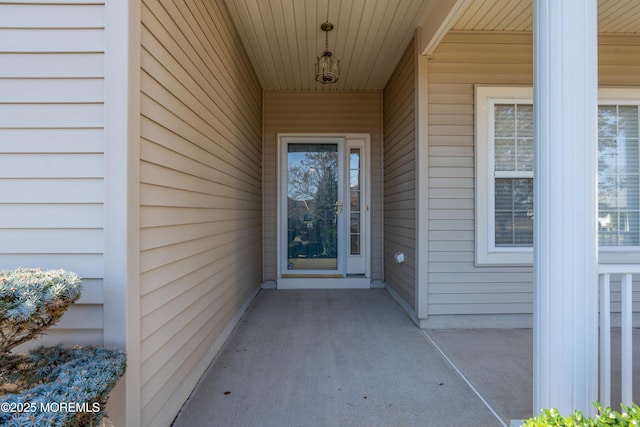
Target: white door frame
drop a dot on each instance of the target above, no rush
(358, 264)
(346, 142)
(340, 270)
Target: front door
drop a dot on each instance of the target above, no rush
(322, 207)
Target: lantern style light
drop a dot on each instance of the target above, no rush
(327, 65)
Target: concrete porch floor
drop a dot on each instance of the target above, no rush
(354, 358)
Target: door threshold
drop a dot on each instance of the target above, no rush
(311, 276)
(324, 283)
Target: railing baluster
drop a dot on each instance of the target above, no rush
(627, 271)
(605, 340)
(627, 359)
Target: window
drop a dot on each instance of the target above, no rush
(513, 174)
(504, 176)
(618, 175)
(504, 181)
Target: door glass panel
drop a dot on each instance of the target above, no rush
(355, 199)
(355, 244)
(312, 207)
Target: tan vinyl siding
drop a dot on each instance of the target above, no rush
(51, 150)
(321, 112)
(399, 178)
(462, 60)
(200, 194)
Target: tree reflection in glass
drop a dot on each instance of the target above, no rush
(312, 188)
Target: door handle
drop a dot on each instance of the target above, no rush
(338, 206)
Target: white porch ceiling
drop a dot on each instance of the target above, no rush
(283, 37)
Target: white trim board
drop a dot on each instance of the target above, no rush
(347, 140)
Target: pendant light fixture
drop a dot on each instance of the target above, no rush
(327, 65)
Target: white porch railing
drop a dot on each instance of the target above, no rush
(626, 271)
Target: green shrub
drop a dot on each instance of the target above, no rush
(49, 386)
(59, 387)
(32, 300)
(630, 416)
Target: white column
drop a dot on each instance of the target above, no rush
(121, 207)
(565, 239)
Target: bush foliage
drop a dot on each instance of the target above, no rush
(49, 386)
(79, 377)
(607, 417)
(32, 300)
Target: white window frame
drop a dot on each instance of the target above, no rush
(487, 253)
(618, 96)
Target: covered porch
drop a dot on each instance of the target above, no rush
(144, 146)
(354, 357)
(314, 358)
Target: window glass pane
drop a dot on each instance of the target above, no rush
(505, 154)
(513, 137)
(355, 223)
(628, 192)
(607, 127)
(634, 229)
(607, 149)
(607, 193)
(355, 234)
(504, 128)
(505, 123)
(504, 195)
(525, 154)
(355, 244)
(524, 135)
(514, 212)
(629, 228)
(523, 229)
(354, 158)
(523, 195)
(628, 121)
(525, 120)
(633, 158)
(355, 201)
(606, 231)
(354, 179)
(504, 229)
